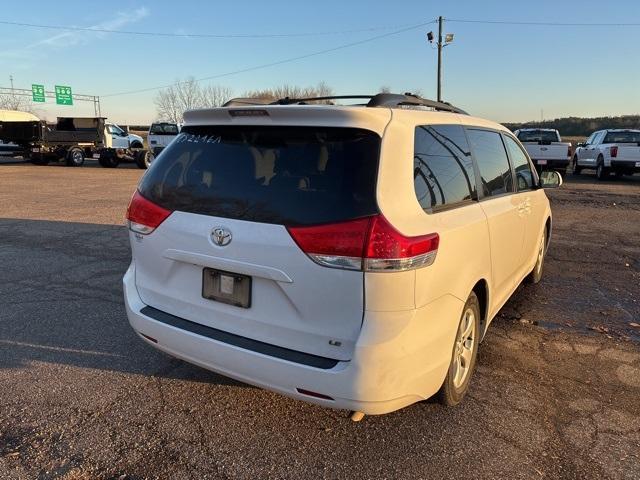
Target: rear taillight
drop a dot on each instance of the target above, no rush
(569, 151)
(614, 152)
(143, 215)
(369, 244)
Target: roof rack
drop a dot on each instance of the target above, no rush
(240, 101)
(388, 100)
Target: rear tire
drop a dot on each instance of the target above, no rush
(144, 159)
(463, 357)
(39, 159)
(536, 274)
(75, 157)
(576, 168)
(108, 160)
(136, 145)
(601, 172)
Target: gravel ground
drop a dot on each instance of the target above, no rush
(555, 394)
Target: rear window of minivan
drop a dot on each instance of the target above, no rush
(269, 174)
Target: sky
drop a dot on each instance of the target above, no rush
(503, 72)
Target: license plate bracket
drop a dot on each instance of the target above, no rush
(226, 287)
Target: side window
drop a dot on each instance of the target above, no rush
(525, 179)
(493, 163)
(593, 139)
(598, 138)
(443, 172)
(589, 140)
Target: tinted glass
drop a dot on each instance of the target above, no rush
(525, 179)
(537, 136)
(622, 137)
(442, 166)
(283, 175)
(164, 129)
(495, 173)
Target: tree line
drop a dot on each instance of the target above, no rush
(580, 127)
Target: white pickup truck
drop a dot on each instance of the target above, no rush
(161, 134)
(546, 148)
(607, 151)
(120, 138)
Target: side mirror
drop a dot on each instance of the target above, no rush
(550, 179)
(581, 144)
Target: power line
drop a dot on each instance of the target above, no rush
(280, 62)
(550, 24)
(202, 35)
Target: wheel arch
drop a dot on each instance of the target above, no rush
(481, 289)
(547, 228)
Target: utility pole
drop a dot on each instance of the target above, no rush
(441, 43)
(440, 58)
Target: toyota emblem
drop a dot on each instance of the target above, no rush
(221, 236)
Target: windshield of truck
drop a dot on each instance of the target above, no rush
(622, 137)
(270, 174)
(538, 136)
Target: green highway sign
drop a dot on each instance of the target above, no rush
(37, 92)
(64, 95)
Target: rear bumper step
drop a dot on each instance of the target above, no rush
(239, 341)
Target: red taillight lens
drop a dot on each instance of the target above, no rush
(614, 152)
(370, 244)
(338, 245)
(569, 151)
(143, 215)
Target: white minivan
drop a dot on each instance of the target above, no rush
(349, 256)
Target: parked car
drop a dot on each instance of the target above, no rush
(161, 134)
(609, 151)
(546, 148)
(348, 256)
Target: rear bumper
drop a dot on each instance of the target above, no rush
(400, 357)
(558, 163)
(626, 165)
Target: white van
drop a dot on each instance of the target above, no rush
(349, 256)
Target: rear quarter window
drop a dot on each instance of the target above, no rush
(442, 167)
(281, 175)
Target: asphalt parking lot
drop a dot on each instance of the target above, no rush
(81, 397)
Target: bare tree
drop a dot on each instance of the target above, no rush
(291, 91)
(9, 101)
(385, 89)
(215, 95)
(173, 101)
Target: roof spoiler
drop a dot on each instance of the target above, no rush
(388, 100)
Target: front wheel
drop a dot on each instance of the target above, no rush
(463, 358)
(576, 167)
